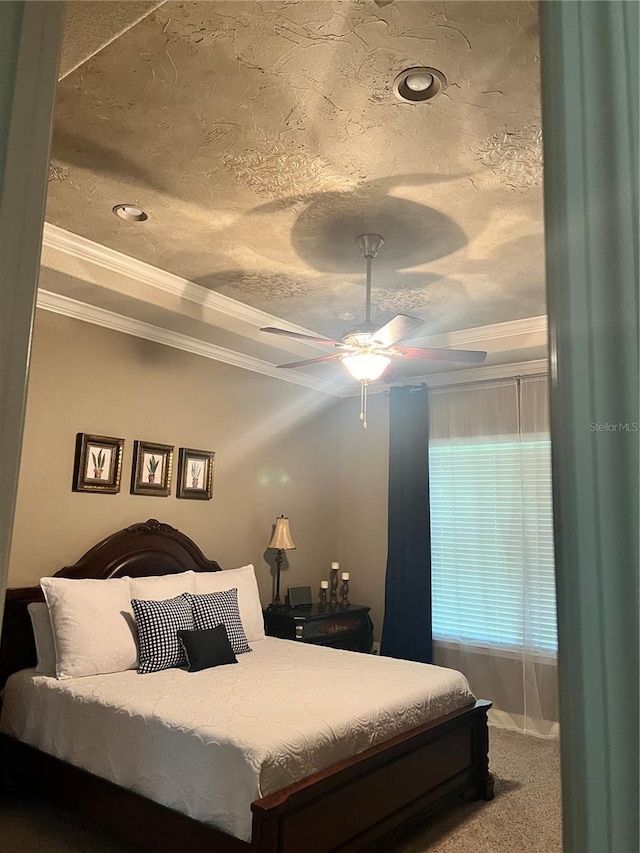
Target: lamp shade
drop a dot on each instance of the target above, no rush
(281, 538)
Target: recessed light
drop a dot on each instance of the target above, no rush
(419, 84)
(130, 212)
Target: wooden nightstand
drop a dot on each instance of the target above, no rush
(341, 627)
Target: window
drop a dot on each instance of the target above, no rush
(492, 542)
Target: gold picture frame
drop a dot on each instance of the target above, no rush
(151, 469)
(195, 474)
(97, 464)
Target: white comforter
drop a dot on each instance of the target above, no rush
(209, 743)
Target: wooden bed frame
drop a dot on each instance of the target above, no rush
(355, 805)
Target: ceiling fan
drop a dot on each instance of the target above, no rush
(366, 350)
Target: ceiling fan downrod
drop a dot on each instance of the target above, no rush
(369, 245)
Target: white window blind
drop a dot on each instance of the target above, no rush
(492, 542)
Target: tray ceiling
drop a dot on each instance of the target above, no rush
(261, 138)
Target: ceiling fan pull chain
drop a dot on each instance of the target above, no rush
(363, 402)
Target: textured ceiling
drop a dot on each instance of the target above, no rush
(262, 138)
(89, 27)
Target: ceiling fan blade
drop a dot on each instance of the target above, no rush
(312, 360)
(461, 355)
(273, 331)
(399, 327)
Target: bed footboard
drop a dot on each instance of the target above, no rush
(359, 804)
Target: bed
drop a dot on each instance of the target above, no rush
(356, 802)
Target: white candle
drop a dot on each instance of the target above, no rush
(324, 584)
(345, 576)
(335, 565)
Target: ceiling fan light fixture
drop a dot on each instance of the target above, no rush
(418, 84)
(366, 366)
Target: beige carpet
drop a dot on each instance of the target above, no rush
(523, 818)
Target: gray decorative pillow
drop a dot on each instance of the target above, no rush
(220, 608)
(158, 623)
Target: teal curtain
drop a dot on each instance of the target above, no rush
(30, 35)
(590, 125)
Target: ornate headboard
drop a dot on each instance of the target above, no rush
(147, 548)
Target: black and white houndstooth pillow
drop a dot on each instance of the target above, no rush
(220, 608)
(158, 623)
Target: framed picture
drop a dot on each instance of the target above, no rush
(98, 463)
(151, 469)
(195, 474)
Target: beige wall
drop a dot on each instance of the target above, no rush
(276, 452)
(362, 495)
(279, 449)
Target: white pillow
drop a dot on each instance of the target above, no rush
(244, 580)
(93, 625)
(160, 587)
(43, 635)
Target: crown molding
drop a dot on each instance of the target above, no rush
(498, 337)
(494, 333)
(468, 376)
(109, 259)
(482, 374)
(493, 337)
(77, 310)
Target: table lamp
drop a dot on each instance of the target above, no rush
(280, 541)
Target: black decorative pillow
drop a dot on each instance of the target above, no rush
(206, 648)
(220, 608)
(158, 623)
